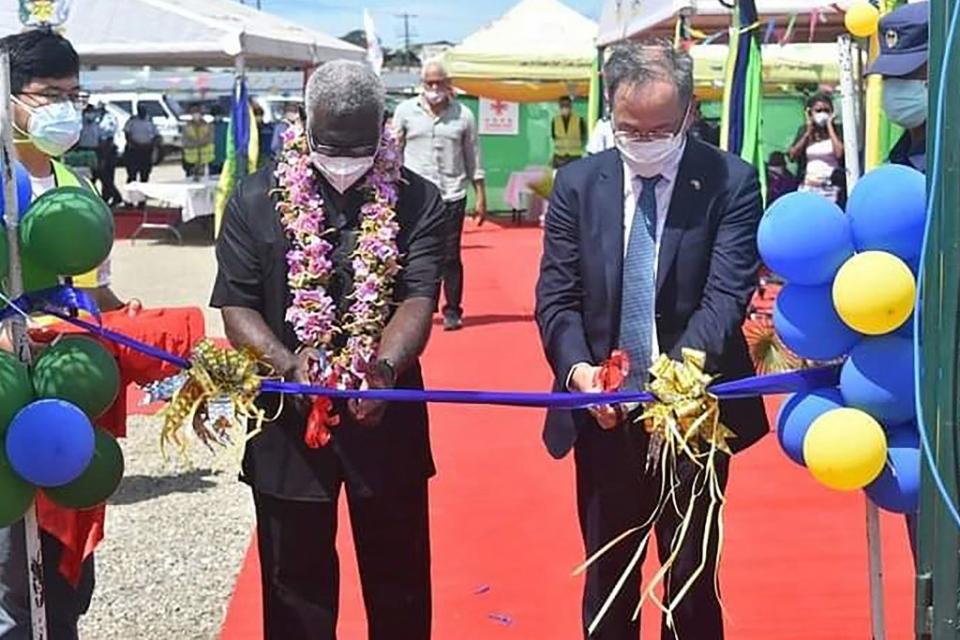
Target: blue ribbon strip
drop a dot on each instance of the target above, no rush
(63, 301)
(791, 382)
(121, 339)
(59, 297)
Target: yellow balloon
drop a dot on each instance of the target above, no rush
(874, 292)
(845, 449)
(862, 19)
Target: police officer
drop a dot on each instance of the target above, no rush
(902, 62)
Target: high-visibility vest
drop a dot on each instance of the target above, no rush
(567, 139)
(198, 145)
(100, 276)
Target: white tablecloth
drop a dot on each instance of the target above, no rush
(518, 189)
(194, 199)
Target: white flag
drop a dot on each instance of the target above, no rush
(374, 52)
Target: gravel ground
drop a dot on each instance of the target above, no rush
(175, 540)
(175, 536)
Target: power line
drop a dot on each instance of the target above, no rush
(406, 32)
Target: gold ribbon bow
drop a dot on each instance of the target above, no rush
(684, 419)
(217, 398)
(686, 415)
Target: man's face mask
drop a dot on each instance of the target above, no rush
(342, 172)
(647, 156)
(905, 101)
(53, 128)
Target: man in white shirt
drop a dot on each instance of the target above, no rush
(649, 247)
(439, 139)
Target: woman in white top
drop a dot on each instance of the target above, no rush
(818, 151)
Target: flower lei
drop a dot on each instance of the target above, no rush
(375, 261)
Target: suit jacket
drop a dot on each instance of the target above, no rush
(706, 274)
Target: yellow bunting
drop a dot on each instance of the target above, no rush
(862, 19)
(874, 292)
(217, 397)
(845, 449)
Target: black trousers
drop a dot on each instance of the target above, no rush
(139, 163)
(106, 173)
(613, 495)
(453, 261)
(301, 573)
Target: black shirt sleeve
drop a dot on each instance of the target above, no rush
(239, 281)
(420, 276)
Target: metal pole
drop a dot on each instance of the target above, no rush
(18, 329)
(851, 144)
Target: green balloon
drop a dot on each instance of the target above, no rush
(16, 389)
(35, 278)
(67, 231)
(98, 482)
(16, 494)
(79, 370)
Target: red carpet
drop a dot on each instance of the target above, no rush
(505, 536)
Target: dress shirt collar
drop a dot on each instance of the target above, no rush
(668, 174)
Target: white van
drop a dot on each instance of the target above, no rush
(164, 110)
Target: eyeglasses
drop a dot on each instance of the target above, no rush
(78, 98)
(361, 151)
(652, 136)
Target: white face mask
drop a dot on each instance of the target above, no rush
(53, 128)
(340, 171)
(821, 118)
(434, 96)
(905, 101)
(648, 158)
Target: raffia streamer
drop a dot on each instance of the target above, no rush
(215, 373)
(687, 417)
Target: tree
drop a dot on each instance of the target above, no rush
(357, 37)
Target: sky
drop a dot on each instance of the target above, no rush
(435, 19)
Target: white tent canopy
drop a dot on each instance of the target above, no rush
(537, 44)
(623, 19)
(187, 33)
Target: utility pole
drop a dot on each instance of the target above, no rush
(406, 34)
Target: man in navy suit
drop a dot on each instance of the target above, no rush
(649, 247)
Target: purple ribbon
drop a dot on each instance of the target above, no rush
(54, 302)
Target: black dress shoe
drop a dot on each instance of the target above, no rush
(452, 323)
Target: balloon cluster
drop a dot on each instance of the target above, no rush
(851, 286)
(47, 439)
(65, 232)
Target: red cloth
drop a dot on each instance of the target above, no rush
(176, 331)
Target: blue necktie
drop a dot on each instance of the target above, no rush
(639, 285)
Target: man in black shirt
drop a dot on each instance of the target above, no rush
(381, 453)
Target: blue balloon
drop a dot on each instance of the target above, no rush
(878, 378)
(897, 488)
(798, 413)
(24, 189)
(906, 329)
(887, 211)
(805, 238)
(807, 322)
(50, 443)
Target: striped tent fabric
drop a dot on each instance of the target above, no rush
(743, 90)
